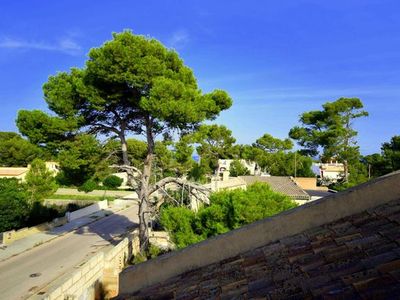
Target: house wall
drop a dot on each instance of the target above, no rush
(306, 183)
(225, 164)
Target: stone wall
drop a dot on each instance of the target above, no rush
(65, 202)
(87, 210)
(113, 193)
(8, 237)
(96, 278)
(230, 244)
(11, 236)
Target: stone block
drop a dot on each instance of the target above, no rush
(76, 277)
(67, 285)
(55, 294)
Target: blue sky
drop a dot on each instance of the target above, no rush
(276, 59)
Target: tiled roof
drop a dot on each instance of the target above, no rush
(319, 193)
(12, 171)
(281, 184)
(356, 257)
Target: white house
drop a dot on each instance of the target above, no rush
(225, 164)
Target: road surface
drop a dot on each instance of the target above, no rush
(21, 276)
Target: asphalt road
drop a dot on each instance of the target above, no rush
(23, 275)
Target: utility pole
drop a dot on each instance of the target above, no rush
(369, 171)
(295, 164)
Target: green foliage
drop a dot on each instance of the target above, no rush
(238, 169)
(198, 174)
(228, 210)
(40, 182)
(272, 156)
(376, 165)
(88, 186)
(44, 130)
(128, 80)
(180, 222)
(329, 128)
(271, 144)
(287, 164)
(17, 211)
(215, 142)
(391, 153)
(112, 182)
(137, 151)
(131, 84)
(79, 160)
(14, 207)
(385, 162)
(16, 151)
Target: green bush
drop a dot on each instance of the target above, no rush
(238, 169)
(112, 182)
(88, 186)
(40, 182)
(14, 206)
(17, 211)
(228, 210)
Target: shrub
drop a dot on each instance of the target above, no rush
(14, 207)
(112, 182)
(40, 182)
(228, 210)
(238, 169)
(88, 186)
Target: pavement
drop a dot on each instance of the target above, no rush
(31, 263)
(22, 245)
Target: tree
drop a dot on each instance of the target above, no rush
(391, 153)
(79, 160)
(271, 144)
(46, 131)
(273, 156)
(385, 162)
(331, 129)
(16, 151)
(40, 182)
(215, 142)
(238, 169)
(134, 84)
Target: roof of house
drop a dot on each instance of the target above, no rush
(319, 193)
(281, 184)
(345, 246)
(230, 183)
(5, 171)
(355, 257)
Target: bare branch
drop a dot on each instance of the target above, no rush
(127, 168)
(99, 127)
(163, 182)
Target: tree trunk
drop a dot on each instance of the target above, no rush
(124, 149)
(346, 171)
(125, 158)
(144, 191)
